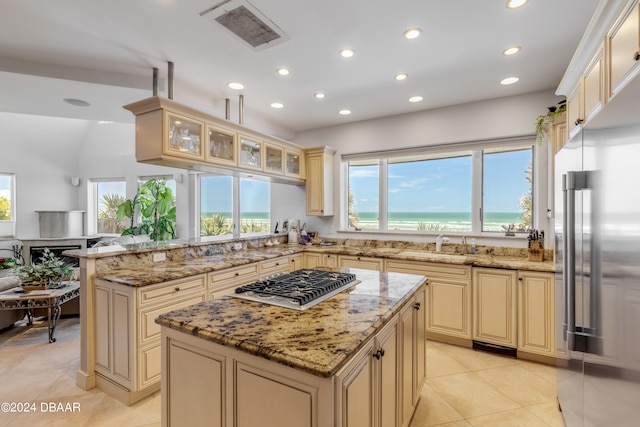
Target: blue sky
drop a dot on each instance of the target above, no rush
(444, 185)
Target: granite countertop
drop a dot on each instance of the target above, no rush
(318, 340)
(171, 270)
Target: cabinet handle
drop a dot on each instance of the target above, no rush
(579, 121)
(237, 274)
(520, 279)
(177, 288)
(378, 354)
(417, 306)
(636, 56)
(277, 264)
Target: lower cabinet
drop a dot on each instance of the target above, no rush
(366, 263)
(413, 341)
(225, 281)
(313, 260)
(494, 306)
(271, 267)
(448, 298)
(127, 351)
(536, 313)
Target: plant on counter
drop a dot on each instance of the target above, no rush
(547, 120)
(155, 203)
(48, 272)
(6, 263)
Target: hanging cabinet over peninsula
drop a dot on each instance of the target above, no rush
(171, 134)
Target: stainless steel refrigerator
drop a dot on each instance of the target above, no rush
(597, 229)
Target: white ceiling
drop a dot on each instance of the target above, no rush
(104, 51)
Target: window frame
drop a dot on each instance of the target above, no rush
(441, 151)
(8, 226)
(94, 206)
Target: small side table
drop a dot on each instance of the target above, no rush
(51, 299)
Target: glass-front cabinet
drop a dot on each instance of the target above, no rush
(222, 146)
(250, 153)
(184, 137)
(273, 159)
(293, 164)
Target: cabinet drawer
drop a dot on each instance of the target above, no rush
(274, 266)
(361, 262)
(233, 276)
(149, 329)
(429, 269)
(168, 290)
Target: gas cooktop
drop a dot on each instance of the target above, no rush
(298, 290)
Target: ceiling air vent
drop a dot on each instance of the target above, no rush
(245, 21)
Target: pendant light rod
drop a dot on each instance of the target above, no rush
(170, 79)
(241, 108)
(155, 81)
(227, 109)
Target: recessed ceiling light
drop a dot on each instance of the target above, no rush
(347, 52)
(412, 33)
(401, 76)
(283, 71)
(511, 50)
(235, 85)
(514, 4)
(509, 81)
(76, 102)
(276, 105)
(319, 95)
(415, 99)
(344, 112)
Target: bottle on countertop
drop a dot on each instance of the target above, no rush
(473, 246)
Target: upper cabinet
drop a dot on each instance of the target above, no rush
(171, 134)
(320, 181)
(624, 47)
(608, 58)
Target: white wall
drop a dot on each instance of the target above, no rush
(491, 119)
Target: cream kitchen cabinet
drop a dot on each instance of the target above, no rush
(367, 263)
(296, 262)
(273, 159)
(294, 163)
(575, 110)
(271, 267)
(225, 281)
(222, 146)
(448, 298)
(127, 338)
(413, 364)
(368, 392)
(589, 96)
(313, 260)
(536, 313)
(319, 185)
(624, 48)
(494, 306)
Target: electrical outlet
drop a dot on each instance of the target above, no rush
(159, 256)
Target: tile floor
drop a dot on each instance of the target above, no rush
(464, 387)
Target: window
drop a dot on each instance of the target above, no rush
(7, 205)
(216, 206)
(109, 194)
(440, 191)
(227, 200)
(507, 190)
(254, 206)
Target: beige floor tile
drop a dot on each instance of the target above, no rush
(547, 372)
(549, 413)
(440, 363)
(433, 410)
(514, 418)
(522, 386)
(470, 395)
(461, 423)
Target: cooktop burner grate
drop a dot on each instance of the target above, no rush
(300, 289)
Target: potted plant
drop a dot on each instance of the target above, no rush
(48, 272)
(155, 203)
(7, 267)
(543, 122)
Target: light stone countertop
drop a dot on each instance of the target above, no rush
(318, 340)
(170, 270)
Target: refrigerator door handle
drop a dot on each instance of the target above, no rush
(569, 247)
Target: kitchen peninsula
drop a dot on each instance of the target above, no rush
(358, 355)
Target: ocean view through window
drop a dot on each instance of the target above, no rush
(440, 192)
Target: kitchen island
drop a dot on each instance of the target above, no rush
(357, 358)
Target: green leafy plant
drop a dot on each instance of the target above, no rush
(48, 271)
(547, 120)
(7, 263)
(155, 203)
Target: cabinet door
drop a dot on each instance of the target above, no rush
(319, 183)
(250, 153)
(387, 378)
(536, 317)
(420, 340)
(360, 262)
(294, 164)
(624, 49)
(183, 137)
(575, 115)
(329, 260)
(449, 310)
(296, 262)
(407, 326)
(356, 391)
(494, 306)
(593, 86)
(273, 159)
(222, 146)
(312, 260)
